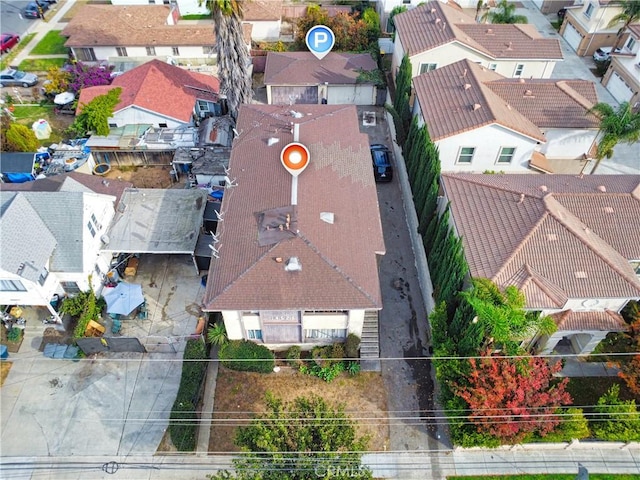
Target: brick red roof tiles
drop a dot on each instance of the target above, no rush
(605, 321)
(464, 102)
(571, 234)
(132, 25)
(434, 24)
(339, 264)
(262, 10)
(302, 68)
(159, 87)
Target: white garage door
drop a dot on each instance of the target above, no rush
(572, 36)
(620, 90)
(351, 95)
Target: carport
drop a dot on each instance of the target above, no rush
(157, 221)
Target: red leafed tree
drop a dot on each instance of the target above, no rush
(630, 370)
(509, 398)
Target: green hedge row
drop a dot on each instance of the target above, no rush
(183, 423)
(246, 356)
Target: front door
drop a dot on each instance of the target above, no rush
(281, 326)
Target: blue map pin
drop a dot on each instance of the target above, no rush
(320, 40)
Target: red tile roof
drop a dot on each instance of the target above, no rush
(262, 10)
(604, 321)
(464, 102)
(568, 235)
(339, 261)
(470, 96)
(159, 87)
(302, 68)
(132, 25)
(434, 24)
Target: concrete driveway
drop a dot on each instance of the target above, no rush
(113, 404)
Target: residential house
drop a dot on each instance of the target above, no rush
(130, 35)
(160, 95)
(295, 258)
(552, 6)
(339, 78)
(623, 76)
(586, 25)
(563, 240)
(51, 234)
(482, 121)
(435, 34)
(263, 16)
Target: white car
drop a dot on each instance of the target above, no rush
(603, 54)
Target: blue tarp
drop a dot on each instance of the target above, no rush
(18, 177)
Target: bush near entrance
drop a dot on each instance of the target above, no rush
(246, 356)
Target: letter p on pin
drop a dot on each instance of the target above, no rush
(320, 40)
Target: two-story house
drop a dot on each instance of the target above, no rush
(586, 25)
(436, 34)
(51, 234)
(295, 257)
(563, 240)
(623, 76)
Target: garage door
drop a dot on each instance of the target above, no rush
(620, 90)
(289, 95)
(351, 95)
(572, 36)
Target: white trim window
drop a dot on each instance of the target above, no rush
(631, 43)
(506, 155)
(12, 286)
(326, 333)
(465, 155)
(589, 11)
(519, 69)
(151, 51)
(121, 51)
(427, 67)
(493, 67)
(254, 334)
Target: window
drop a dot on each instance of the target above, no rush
(43, 276)
(208, 50)
(91, 229)
(175, 50)
(630, 44)
(406, 2)
(85, 54)
(466, 154)
(121, 51)
(493, 66)
(506, 154)
(427, 67)
(326, 333)
(113, 125)
(11, 286)
(70, 288)
(636, 267)
(95, 222)
(162, 125)
(203, 106)
(151, 51)
(589, 11)
(254, 334)
(519, 70)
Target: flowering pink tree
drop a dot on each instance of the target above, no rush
(88, 76)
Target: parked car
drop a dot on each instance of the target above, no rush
(11, 76)
(382, 169)
(35, 9)
(9, 40)
(603, 54)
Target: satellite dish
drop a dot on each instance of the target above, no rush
(295, 158)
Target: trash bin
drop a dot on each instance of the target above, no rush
(4, 353)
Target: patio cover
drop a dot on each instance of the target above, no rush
(150, 220)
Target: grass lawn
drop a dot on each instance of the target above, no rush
(41, 64)
(8, 58)
(554, 476)
(26, 115)
(51, 44)
(196, 17)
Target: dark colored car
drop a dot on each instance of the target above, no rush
(382, 169)
(9, 40)
(35, 9)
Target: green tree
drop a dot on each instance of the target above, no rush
(20, 138)
(218, 334)
(94, 116)
(304, 439)
(395, 11)
(232, 53)
(630, 14)
(618, 420)
(505, 13)
(58, 81)
(621, 125)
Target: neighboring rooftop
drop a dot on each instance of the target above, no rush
(556, 237)
(262, 10)
(434, 24)
(303, 68)
(334, 232)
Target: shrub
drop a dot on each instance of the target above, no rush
(574, 425)
(326, 373)
(353, 368)
(246, 356)
(618, 421)
(352, 345)
(183, 424)
(293, 356)
(322, 356)
(14, 335)
(337, 352)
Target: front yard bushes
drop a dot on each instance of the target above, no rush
(293, 356)
(329, 362)
(183, 423)
(247, 356)
(618, 420)
(85, 306)
(352, 345)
